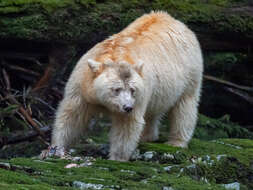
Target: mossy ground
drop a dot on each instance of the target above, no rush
(79, 21)
(204, 165)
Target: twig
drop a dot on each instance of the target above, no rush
(17, 68)
(24, 113)
(45, 103)
(6, 79)
(245, 88)
(22, 56)
(241, 94)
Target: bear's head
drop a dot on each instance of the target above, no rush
(118, 86)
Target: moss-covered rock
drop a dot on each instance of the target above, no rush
(87, 21)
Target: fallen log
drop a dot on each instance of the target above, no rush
(27, 136)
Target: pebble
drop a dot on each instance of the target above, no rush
(72, 165)
(136, 155)
(128, 171)
(82, 185)
(167, 168)
(5, 165)
(77, 158)
(232, 186)
(168, 156)
(218, 157)
(148, 155)
(167, 188)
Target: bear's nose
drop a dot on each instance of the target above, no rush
(128, 109)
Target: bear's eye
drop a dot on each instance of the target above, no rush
(117, 90)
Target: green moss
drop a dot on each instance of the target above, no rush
(82, 20)
(33, 173)
(131, 175)
(243, 152)
(15, 6)
(161, 148)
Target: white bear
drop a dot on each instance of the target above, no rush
(152, 67)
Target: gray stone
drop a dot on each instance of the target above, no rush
(167, 188)
(148, 155)
(82, 185)
(232, 186)
(218, 157)
(167, 168)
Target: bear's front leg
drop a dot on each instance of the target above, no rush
(69, 124)
(124, 136)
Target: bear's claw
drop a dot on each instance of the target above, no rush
(54, 151)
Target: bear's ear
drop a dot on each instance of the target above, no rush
(138, 66)
(94, 65)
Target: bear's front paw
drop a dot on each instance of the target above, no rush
(54, 151)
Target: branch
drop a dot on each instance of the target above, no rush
(241, 94)
(22, 110)
(245, 88)
(17, 138)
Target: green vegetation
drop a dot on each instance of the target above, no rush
(79, 20)
(199, 162)
(204, 165)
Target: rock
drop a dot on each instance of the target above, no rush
(167, 188)
(128, 171)
(232, 186)
(218, 157)
(168, 168)
(148, 155)
(77, 159)
(136, 155)
(5, 165)
(85, 164)
(71, 151)
(104, 149)
(72, 165)
(82, 185)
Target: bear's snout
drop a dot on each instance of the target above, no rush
(127, 108)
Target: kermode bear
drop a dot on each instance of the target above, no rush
(152, 67)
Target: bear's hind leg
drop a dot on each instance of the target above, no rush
(183, 117)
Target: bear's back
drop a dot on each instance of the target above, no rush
(149, 28)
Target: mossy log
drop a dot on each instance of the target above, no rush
(220, 24)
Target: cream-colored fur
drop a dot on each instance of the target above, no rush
(156, 64)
